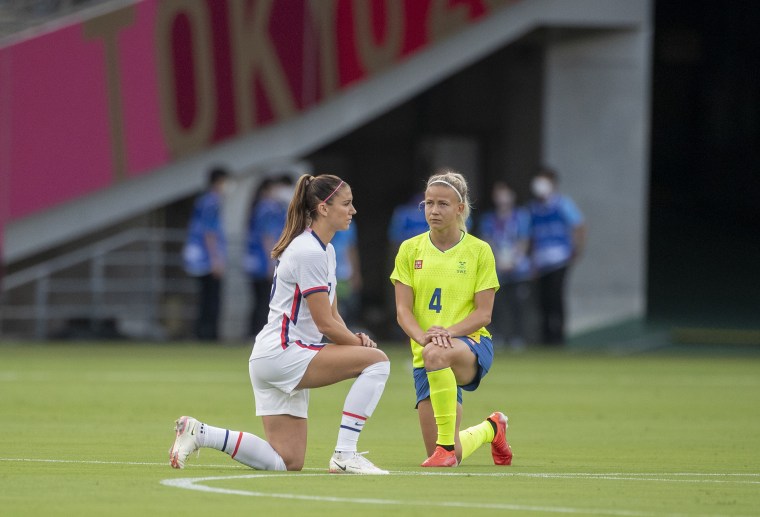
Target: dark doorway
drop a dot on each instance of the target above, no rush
(704, 243)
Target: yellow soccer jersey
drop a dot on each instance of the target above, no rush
(444, 282)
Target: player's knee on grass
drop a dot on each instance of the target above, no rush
(294, 464)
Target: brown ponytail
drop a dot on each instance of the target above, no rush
(309, 193)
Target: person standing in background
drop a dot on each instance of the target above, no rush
(407, 221)
(349, 275)
(267, 219)
(205, 254)
(558, 235)
(507, 230)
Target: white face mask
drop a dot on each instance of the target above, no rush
(228, 187)
(504, 199)
(283, 194)
(542, 187)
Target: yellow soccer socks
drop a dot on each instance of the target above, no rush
(443, 398)
(473, 437)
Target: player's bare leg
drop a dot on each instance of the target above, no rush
(287, 435)
(371, 368)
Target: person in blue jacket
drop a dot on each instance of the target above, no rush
(558, 235)
(265, 224)
(407, 221)
(205, 254)
(507, 230)
(348, 274)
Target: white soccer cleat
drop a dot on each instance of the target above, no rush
(186, 441)
(353, 463)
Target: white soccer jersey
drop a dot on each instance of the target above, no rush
(307, 266)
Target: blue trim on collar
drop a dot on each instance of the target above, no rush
(324, 246)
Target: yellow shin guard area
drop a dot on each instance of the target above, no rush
(443, 398)
(473, 437)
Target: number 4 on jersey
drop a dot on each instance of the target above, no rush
(435, 301)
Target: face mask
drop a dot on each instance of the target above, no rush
(228, 187)
(283, 194)
(504, 199)
(542, 187)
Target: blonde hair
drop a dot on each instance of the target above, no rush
(456, 181)
(309, 193)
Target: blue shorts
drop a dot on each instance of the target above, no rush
(483, 352)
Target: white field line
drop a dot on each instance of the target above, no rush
(197, 484)
(194, 484)
(701, 477)
(99, 462)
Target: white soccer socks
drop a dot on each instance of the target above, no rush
(255, 452)
(245, 448)
(361, 401)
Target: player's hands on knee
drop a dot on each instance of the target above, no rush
(366, 340)
(438, 336)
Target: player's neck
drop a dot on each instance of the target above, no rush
(324, 232)
(446, 239)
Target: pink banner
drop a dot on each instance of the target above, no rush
(100, 102)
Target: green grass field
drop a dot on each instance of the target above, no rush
(86, 428)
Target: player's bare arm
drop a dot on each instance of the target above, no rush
(322, 313)
(479, 317)
(405, 314)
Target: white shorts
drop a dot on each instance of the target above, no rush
(275, 378)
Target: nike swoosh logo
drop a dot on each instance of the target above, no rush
(341, 467)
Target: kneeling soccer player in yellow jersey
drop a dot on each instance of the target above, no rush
(445, 283)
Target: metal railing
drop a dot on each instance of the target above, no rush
(133, 278)
(19, 15)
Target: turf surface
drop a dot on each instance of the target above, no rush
(86, 428)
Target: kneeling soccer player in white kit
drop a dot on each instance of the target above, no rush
(288, 357)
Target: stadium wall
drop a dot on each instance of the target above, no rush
(596, 133)
(80, 178)
(130, 93)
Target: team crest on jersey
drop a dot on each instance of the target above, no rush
(417, 264)
(462, 268)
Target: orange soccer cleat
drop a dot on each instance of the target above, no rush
(441, 458)
(500, 449)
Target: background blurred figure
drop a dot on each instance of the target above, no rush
(558, 234)
(205, 253)
(349, 275)
(407, 221)
(507, 230)
(267, 219)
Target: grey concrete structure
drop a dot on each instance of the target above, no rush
(592, 77)
(596, 133)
